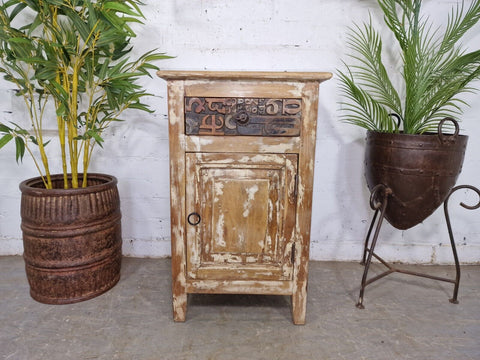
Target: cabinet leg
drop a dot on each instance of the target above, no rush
(179, 292)
(299, 305)
(180, 307)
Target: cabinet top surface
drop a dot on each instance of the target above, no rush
(244, 75)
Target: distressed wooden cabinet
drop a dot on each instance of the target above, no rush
(242, 148)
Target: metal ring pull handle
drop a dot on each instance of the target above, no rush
(242, 118)
(451, 137)
(196, 217)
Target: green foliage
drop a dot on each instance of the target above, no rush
(75, 55)
(434, 69)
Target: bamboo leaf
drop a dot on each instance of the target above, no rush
(19, 130)
(119, 7)
(5, 139)
(19, 40)
(96, 136)
(61, 110)
(92, 14)
(20, 148)
(33, 139)
(140, 106)
(35, 24)
(5, 128)
(18, 8)
(78, 23)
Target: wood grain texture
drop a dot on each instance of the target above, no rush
(304, 202)
(268, 287)
(252, 194)
(244, 75)
(246, 201)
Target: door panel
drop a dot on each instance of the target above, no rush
(243, 201)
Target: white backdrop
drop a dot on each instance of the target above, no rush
(280, 35)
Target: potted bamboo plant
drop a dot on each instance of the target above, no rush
(70, 59)
(414, 152)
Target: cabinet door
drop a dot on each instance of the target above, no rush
(246, 215)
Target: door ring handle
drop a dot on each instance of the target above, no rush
(196, 217)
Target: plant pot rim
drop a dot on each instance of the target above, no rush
(35, 185)
(413, 136)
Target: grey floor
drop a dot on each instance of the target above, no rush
(405, 318)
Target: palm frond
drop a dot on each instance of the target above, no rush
(362, 109)
(370, 71)
(458, 24)
(435, 69)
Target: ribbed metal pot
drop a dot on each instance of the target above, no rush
(72, 238)
(420, 169)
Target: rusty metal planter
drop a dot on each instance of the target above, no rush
(420, 170)
(72, 238)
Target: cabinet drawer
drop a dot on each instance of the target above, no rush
(242, 116)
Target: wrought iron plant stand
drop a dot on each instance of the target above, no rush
(409, 178)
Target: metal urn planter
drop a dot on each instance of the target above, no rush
(72, 238)
(409, 177)
(419, 169)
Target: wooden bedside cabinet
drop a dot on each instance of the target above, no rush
(242, 147)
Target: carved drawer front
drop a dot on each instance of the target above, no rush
(242, 116)
(241, 215)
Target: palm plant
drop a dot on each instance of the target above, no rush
(72, 56)
(435, 70)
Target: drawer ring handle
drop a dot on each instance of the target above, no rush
(196, 221)
(242, 118)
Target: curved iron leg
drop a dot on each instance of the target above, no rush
(382, 204)
(367, 238)
(454, 300)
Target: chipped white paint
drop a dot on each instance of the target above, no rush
(270, 213)
(280, 148)
(240, 287)
(311, 165)
(218, 190)
(219, 231)
(199, 142)
(247, 205)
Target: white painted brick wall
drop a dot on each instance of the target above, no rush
(281, 35)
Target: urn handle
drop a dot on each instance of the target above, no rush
(448, 137)
(398, 118)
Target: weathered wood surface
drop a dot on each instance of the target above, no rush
(304, 202)
(177, 199)
(257, 287)
(246, 202)
(245, 75)
(253, 193)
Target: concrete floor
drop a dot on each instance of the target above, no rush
(405, 318)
